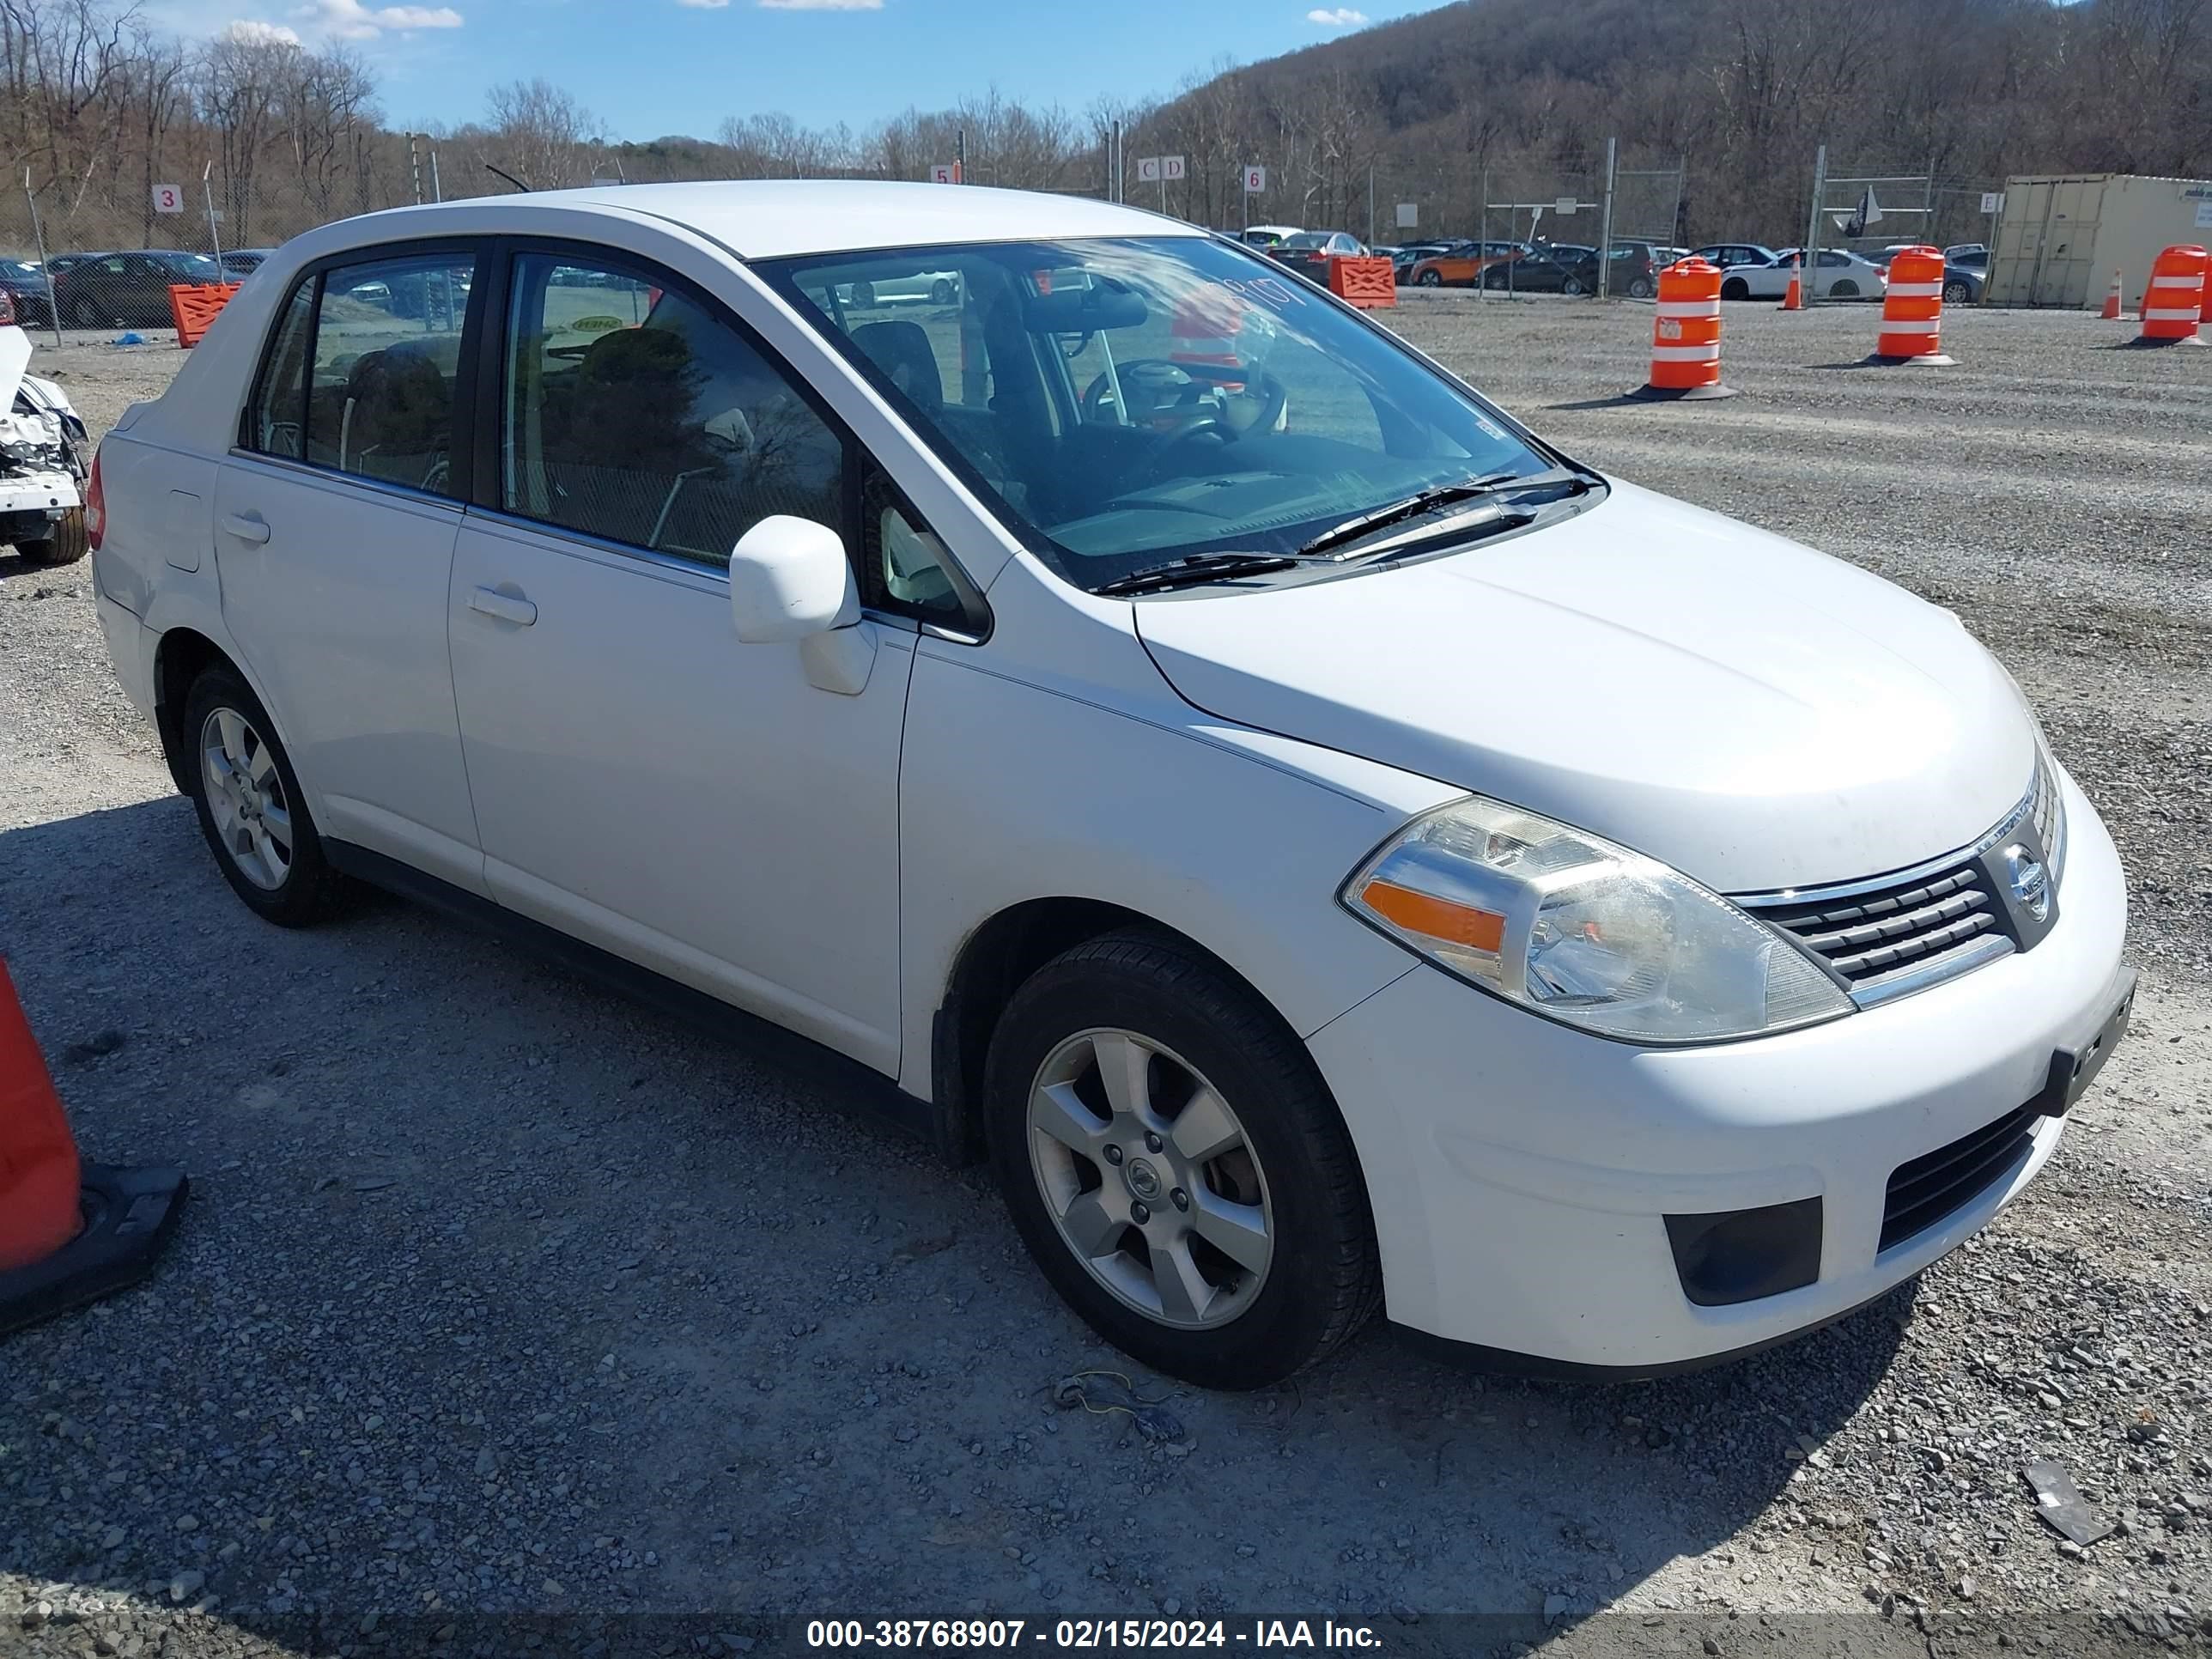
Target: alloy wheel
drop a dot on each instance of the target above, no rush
(1150, 1178)
(245, 797)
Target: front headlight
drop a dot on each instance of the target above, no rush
(1573, 928)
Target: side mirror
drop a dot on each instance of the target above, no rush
(789, 578)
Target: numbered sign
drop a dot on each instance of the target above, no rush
(1255, 181)
(945, 173)
(167, 198)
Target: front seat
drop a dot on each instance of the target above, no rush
(902, 351)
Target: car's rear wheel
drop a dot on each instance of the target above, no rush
(1570, 286)
(1956, 293)
(251, 808)
(66, 545)
(1844, 289)
(1175, 1165)
(1735, 289)
(1429, 279)
(1641, 288)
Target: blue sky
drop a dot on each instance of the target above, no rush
(651, 67)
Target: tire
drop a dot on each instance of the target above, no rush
(1641, 288)
(1957, 294)
(1571, 287)
(1845, 289)
(1429, 279)
(940, 291)
(1735, 289)
(1287, 1188)
(304, 890)
(66, 545)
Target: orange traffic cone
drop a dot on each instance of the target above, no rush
(2110, 313)
(1794, 299)
(70, 1233)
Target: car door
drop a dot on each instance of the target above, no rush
(335, 518)
(643, 779)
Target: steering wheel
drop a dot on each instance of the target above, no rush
(1162, 386)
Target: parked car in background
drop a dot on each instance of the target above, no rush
(239, 262)
(1634, 273)
(1725, 254)
(1266, 236)
(1461, 264)
(128, 290)
(1963, 284)
(939, 288)
(1309, 251)
(1837, 276)
(1543, 270)
(25, 285)
(1967, 253)
(1403, 260)
(1125, 776)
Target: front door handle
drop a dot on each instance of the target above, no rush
(507, 607)
(247, 526)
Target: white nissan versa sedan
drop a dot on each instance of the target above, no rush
(1323, 845)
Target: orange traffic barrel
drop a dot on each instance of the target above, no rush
(70, 1232)
(1202, 337)
(1685, 335)
(1913, 309)
(2173, 303)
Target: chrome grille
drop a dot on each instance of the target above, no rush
(1895, 934)
(1875, 933)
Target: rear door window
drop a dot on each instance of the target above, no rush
(361, 371)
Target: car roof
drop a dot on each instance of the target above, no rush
(773, 218)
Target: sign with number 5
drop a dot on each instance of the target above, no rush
(167, 198)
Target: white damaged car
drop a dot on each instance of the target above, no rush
(43, 457)
(1328, 849)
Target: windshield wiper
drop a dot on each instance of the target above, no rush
(1339, 537)
(1204, 568)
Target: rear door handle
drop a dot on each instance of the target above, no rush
(247, 526)
(507, 607)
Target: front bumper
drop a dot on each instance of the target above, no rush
(1520, 1172)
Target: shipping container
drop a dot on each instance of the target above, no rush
(2062, 236)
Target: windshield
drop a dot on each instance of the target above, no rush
(1123, 403)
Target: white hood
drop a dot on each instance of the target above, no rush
(1755, 714)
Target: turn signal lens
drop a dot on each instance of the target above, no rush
(95, 506)
(1436, 918)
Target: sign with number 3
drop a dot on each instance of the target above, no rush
(167, 198)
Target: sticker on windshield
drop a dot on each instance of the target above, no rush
(1267, 290)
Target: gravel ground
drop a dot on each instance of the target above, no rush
(502, 1306)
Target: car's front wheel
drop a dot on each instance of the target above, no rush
(251, 808)
(1175, 1165)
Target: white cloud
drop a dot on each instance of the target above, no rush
(252, 32)
(1338, 17)
(821, 5)
(349, 20)
(704, 5)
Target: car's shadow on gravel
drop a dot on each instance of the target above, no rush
(498, 1292)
